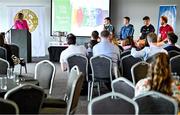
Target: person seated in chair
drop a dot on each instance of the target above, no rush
(126, 32)
(145, 30)
(159, 78)
(147, 52)
(94, 40)
(106, 48)
(172, 39)
(72, 49)
(8, 49)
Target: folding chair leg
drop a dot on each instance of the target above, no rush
(25, 68)
(91, 90)
(98, 88)
(20, 70)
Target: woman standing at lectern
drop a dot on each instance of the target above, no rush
(20, 23)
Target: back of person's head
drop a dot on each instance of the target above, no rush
(1, 39)
(127, 18)
(146, 18)
(152, 38)
(71, 39)
(172, 37)
(95, 35)
(108, 18)
(105, 34)
(160, 73)
(165, 19)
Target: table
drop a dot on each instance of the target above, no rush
(22, 80)
(55, 52)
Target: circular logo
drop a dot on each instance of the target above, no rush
(30, 17)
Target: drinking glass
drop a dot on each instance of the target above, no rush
(3, 83)
(10, 73)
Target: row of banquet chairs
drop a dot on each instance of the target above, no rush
(31, 99)
(122, 101)
(131, 68)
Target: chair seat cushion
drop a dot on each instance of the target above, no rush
(54, 103)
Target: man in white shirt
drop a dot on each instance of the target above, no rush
(147, 52)
(72, 49)
(105, 47)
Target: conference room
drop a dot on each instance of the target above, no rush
(89, 57)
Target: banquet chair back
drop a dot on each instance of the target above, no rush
(126, 63)
(3, 53)
(69, 104)
(8, 107)
(28, 97)
(3, 66)
(173, 53)
(14, 49)
(79, 60)
(45, 74)
(101, 67)
(123, 86)
(156, 103)
(139, 71)
(125, 53)
(75, 83)
(175, 66)
(112, 103)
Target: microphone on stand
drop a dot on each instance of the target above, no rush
(8, 37)
(9, 29)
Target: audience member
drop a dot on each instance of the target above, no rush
(164, 29)
(172, 39)
(158, 77)
(148, 51)
(105, 47)
(126, 31)
(72, 49)
(8, 49)
(94, 39)
(115, 41)
(107, 25)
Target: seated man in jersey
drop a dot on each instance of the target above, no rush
(145, 30)
(126, 32)
(164, 29)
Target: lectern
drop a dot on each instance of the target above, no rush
(23, 39)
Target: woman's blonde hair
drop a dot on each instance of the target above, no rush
(160, 74)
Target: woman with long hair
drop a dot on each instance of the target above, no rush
(158, 78)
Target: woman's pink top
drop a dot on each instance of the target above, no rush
(21, 25)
